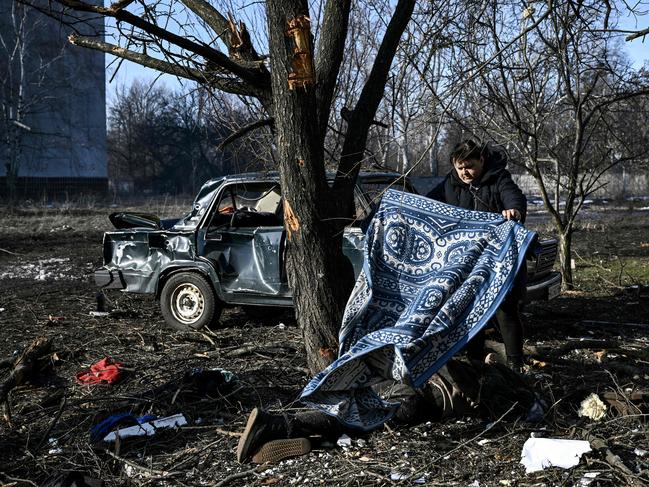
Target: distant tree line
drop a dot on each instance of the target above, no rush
(164, 141)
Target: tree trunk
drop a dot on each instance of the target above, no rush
(565, 258)
(315, 261)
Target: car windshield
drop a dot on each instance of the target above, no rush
(200, 205)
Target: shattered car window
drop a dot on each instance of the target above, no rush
(248, 205)
(258, 198)
(200, 205)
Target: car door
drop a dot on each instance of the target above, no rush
(244, 240)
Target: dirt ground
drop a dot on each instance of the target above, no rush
(593, 340)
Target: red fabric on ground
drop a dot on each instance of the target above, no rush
(103, 372)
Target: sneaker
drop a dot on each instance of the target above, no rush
(261, 428)
(277, 450)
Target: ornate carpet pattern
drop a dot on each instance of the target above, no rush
(433, 276)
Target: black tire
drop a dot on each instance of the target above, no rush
(188, 302)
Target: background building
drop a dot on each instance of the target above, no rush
(52, 107)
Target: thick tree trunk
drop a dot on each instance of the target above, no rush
(565, 258)
(317, 271)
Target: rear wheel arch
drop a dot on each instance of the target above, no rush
(211, 278)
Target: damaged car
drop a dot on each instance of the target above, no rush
(229, 249)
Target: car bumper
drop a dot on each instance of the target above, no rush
(109, 279)
(545, 289)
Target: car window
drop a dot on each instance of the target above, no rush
(248, 205)
(199, 206)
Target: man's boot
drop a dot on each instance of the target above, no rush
(267, 438)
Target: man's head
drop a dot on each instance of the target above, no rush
(468, 159)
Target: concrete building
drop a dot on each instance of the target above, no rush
(52, 107)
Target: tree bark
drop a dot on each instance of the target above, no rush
(565, 258)
(314, 234)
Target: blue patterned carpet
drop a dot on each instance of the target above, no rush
(433, 276)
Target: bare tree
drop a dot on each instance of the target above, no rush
(165, 141)
(297, 93)
(550, 87)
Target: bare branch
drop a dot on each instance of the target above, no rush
(635, 35)
(244, 130)
(331, 48)
(212, 17)
(363, 113)
(228, 85)
(256, 78)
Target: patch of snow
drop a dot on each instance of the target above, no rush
(54, 269)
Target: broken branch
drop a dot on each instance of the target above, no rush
(24, 366)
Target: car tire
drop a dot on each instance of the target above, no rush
(188, 303)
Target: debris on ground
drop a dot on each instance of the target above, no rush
(147, 428)
(25, 367)
(48, 411)
(592, 407)
(541, 453)
(105, 371)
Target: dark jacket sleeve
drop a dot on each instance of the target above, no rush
(438, 192)
(511, 195)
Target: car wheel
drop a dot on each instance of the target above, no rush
(188, 302)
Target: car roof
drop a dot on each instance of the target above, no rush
(274, 176)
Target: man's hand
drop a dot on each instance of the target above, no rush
(512, 215)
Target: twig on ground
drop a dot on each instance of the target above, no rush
(238, 475)
(57, 416)
(146, 470)
(17, 480)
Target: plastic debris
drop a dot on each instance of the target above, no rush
(106, 371)
(148, 428)
(397, 476)
(99, 313)
(592, 407)
(344, 441)
(55, 449)
(587, 479)
(541, 453)
(102, 429)
(2, 309)
(640, 452)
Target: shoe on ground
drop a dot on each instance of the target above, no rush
(260, 429)
(277, 450)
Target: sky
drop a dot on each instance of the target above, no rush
(638, 51)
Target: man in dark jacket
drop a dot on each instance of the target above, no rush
(479, 181)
